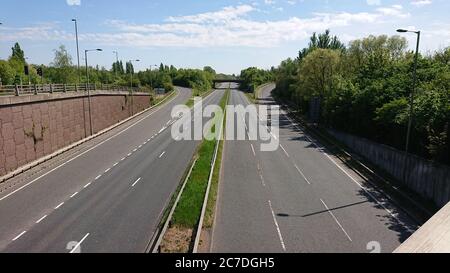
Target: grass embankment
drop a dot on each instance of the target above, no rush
(157, 99)
(187, 213)
(253, 97)
(190, 102)
(212, 198)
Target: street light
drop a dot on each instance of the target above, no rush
(131, 77)
(117, 63)
(413, 91)
(87, 85)
(151, 77)
(78, 49)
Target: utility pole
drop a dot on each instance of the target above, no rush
(87, 86)
(131, 77)
(78, 50)
(413, 91)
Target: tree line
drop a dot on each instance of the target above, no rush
(363, 89)
(63, 71)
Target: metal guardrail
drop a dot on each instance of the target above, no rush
(35, 89)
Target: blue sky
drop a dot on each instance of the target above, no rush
(228, 35)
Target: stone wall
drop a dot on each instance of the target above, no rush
(37, 125)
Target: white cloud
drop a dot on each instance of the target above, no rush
(373, 2)
(394, 11)
(73, 2)
(227, 27)
(420, 3)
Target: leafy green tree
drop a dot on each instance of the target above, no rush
(7, 73)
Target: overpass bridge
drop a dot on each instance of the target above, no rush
(216, 81)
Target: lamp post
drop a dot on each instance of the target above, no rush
(87, 85)
(78, 49)
(413, 91)
(117, 63)
(131, 78)
(151, 77)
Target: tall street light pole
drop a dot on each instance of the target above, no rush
(117, 63)
(78, 50)
(87, 86)
(151, 77)
(131, 78)
(413, 91)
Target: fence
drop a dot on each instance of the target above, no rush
(58, 88)
(430, 180)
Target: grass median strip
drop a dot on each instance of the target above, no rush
(179, 237)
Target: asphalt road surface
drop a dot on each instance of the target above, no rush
(299, 198)
(106, 196)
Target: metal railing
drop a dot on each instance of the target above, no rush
(35, 89)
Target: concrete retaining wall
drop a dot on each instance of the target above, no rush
(37, 125)
(428, 179)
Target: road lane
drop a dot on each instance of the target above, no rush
(318, 208)
(117, 217)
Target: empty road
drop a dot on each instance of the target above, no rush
(299, 198)
(107, 195)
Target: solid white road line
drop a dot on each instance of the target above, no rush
(336, 220)
(42, 218)
(302, 174)
(73, 195)
(18, 236)
(137, 181)
(284, 150)
(163, 153)
(58, 206)
(83, 153)
(79, 244)
(277, 226)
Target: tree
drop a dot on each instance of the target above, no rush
(64, 72)
(7, 73)
(18, 53)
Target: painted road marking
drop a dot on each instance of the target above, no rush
(253, 149)
(42, 218)
(163, 153)
(302, 174)
(277, 226)
(73, 195)
(79, 244)
(87, 185)
(284, 150)
(58, 206)
(107, 170)
(336, 220)
(98, 176)
(137, 181)
(20, 235)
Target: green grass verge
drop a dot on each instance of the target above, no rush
(168, 95)
(212, 198)
(190, 102)
(188, 210)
